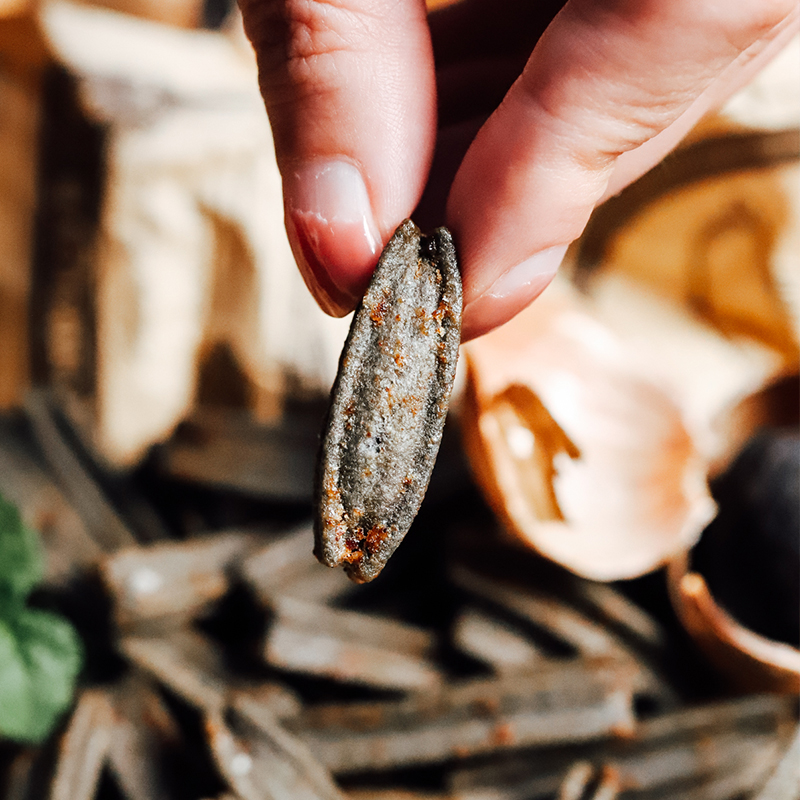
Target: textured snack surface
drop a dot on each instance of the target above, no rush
(389, 403)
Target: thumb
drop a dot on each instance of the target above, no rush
(350, 92)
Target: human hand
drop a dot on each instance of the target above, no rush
(544, 110)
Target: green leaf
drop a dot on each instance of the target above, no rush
(40, 658)
(21, 561)
(15, 710)
(40, 653)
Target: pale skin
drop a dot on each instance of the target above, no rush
(506, 120)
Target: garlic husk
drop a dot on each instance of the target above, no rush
(750, 661)
(586, 459)
(711, 375)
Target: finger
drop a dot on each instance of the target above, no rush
(607, 78)
(349, 89)
(634, 163)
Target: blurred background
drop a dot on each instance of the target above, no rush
(601, 595)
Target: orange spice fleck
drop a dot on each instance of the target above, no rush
(353, 546)
(375, 537)
(378, 312)
(441, 310)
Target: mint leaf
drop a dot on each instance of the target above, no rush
(40, 658)
(21, 561)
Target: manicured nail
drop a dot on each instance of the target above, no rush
(511, 292)
(534, 270)
(332, 231)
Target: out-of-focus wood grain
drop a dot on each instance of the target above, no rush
(711, 247)
(23, 53)
(18, 127)
(22, 59)
(180, 13)
(10, 8)
(192, 257)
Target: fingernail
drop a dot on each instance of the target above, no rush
(329, 297)
(332, 231)
(511, 292)
(534, 270)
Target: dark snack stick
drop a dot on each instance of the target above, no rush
(389, 403)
